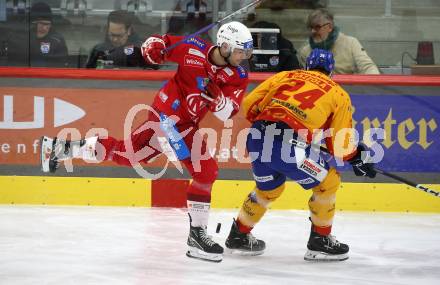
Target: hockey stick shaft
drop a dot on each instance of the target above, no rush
(393, 176)
(210, 26)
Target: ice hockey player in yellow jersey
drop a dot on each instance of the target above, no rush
(292, 112)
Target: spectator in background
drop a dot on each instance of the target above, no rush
(121, 47)
(46, 48)
(349, 55)
(285, 60)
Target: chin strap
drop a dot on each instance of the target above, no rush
(226, 58)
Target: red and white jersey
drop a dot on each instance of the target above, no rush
(181, 94)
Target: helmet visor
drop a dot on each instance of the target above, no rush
(243, 53)
(246, 51)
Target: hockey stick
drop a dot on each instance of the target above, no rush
(210, 26)
(395, 177)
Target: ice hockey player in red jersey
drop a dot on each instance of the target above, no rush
(209, 78)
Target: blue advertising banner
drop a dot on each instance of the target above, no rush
(411, 124)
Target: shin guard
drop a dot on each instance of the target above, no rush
(255, 206)
(322, 203)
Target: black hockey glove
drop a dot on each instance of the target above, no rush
(360, 167)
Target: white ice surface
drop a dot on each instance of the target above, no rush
(112, 245)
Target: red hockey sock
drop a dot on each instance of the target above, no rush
(243, 228)
(324, 231)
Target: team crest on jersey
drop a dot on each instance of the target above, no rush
(197, 42)
(274, 60)
(194, 103)
(128, 50)
(44, 47)
(193, 61)
(196, 52)
(241, 72)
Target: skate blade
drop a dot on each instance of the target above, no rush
(324, 257)
(205, 256)
(45, 151)
(235, 251)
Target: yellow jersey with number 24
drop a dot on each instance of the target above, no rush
(311, 103)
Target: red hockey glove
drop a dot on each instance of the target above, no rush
(215, 97)
(361, 167)
(152, 50)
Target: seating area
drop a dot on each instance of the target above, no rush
(386, 28)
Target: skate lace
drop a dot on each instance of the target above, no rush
(207, 239)
(252, 240)
(332, 241)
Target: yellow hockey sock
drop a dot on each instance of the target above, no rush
(322, 202)
(255, 206)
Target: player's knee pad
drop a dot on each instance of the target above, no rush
(322, 202)
(256, 205)
(267, 196)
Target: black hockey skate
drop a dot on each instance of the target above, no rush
(244, 244)
(201, 245)
(51, 152)
(325, 248)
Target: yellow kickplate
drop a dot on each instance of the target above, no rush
(75, 191)
(384, 197)
(388, 197)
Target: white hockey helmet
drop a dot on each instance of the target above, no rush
(236, 36)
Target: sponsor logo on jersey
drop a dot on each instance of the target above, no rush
(214, 68)
(292, 108)
(222, 78)
(310, 168)
(253, 197)
(237, 92)
(163, 97)
(193, 61)
(174, 137)
(176, 104)
(202, 82)
(263, 178)
(196, 52)
(228, 71)
(44, 47)
(306, 181)
(197, 42)
(128, 50)
(241, 72)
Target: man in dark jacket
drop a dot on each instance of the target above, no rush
(121, 47)
(285, 60)
(46, 48)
